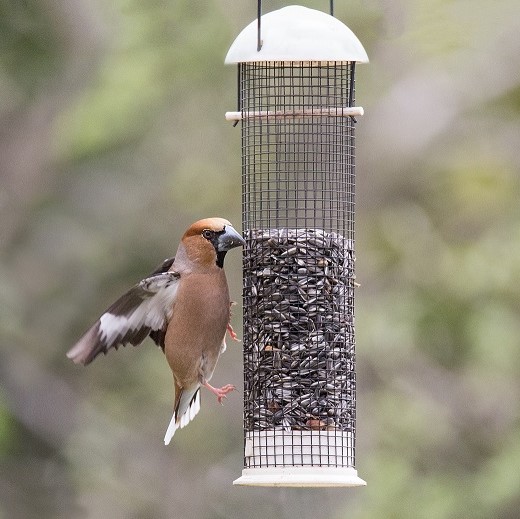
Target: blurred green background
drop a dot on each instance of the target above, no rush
(113, 140)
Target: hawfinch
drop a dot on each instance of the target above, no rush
(184, 307)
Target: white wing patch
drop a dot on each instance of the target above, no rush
(151, 313)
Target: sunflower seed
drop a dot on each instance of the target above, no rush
(298, 330)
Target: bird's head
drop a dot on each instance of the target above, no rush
(207, 241)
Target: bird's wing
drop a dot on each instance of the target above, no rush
(145, 309)
(163, 267)
(159, 335)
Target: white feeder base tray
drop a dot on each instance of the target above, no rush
(300, 477)
(299, 459)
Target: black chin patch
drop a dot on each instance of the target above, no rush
(220, 258)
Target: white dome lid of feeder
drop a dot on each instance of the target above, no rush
(297, 33)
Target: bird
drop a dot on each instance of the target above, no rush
(184, 306)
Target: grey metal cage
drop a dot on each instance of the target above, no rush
(298, 174)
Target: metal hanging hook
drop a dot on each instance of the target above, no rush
(259, 21)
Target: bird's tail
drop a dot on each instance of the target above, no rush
(187, 407)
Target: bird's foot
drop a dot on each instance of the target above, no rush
(221, 392)
(232, 333)
(230, 330)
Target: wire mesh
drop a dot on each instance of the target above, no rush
(298, 219)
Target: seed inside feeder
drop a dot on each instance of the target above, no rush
(299, 330)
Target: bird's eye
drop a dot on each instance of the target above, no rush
(207, 234)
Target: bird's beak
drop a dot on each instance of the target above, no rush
(229, 239)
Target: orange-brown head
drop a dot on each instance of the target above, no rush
(207, 241)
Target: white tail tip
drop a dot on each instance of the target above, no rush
(185, 419)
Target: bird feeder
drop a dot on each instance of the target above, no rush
(296, 108)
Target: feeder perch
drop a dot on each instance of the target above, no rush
(297, 114)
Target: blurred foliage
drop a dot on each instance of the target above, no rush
(112, 140)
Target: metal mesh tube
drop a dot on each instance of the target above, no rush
(298, 221)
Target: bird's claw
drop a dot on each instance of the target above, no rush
(221, 392)
(232, 333)
(230, 330)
